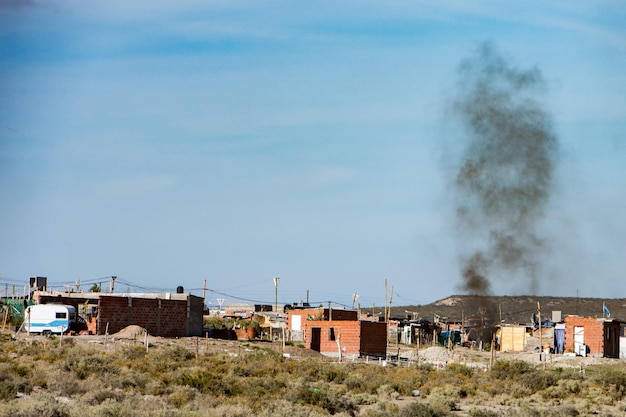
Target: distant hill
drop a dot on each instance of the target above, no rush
(510, 309)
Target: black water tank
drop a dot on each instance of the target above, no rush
(180, 289)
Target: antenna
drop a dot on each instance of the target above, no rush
(355, 297)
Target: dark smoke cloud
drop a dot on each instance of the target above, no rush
(504, 179)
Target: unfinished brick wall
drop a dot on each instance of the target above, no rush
(355, 337)
(594, 334)
(195, 318)
(160, 317)
(346, 331)
(113, 314)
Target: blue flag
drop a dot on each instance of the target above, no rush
(607, 313)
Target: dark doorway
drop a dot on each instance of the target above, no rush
(316, 336)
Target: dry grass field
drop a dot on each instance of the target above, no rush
(121, 376)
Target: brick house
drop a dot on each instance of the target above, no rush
(166, 315)
(337, 332)
(592, 336)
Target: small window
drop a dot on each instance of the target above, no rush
(61, 315)
(331, 335)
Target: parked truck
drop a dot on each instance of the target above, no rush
(49, 318)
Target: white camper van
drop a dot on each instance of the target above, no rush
(49, 318)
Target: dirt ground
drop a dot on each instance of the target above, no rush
(435, 355)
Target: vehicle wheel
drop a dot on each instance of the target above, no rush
(47, 333)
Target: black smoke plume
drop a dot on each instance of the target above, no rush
(505, 175)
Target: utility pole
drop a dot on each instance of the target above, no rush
(276, 280)
(390, 301)
(204, 290)
(540, 335)
(112, 284)
(385, 309)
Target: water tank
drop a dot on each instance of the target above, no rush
(180, 289)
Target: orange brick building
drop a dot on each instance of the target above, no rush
(337, 333)
(592, 336)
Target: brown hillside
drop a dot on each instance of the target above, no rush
(510, 309)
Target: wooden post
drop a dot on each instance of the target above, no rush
(389, 307)
(282, 346)
(385, 309)
(493, 350)
(540, 336)
(6, 317)
(418, 348)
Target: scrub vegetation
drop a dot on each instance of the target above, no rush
(42, 377)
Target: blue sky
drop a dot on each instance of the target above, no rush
(239, 141)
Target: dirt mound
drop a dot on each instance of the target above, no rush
(131, 332)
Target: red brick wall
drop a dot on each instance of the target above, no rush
(114, 313)
(160, 317)
(355, 337)
(173, 318)
(594, 334)
(346, 331)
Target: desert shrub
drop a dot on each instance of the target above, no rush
(324, 395)
(482, 412)
(333, 373)
(98, 396)
(538, 380)
(411, 410)
(37, 406)
(181, 397)
(362, 398)
(444, 399)
(387, 391)
(85, 363)
(459, 370)
(503, 369)
(284, 408)
(8, 390)
(355, 381)
(611, 377)
(564, 388)
(210, 381)
(597, 395)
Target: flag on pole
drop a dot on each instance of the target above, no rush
(607, 313)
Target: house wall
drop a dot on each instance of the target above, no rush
(346, 332)
(355, 337)
(373, 338)
(160, 317)
(596, 331)
(611, 339)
